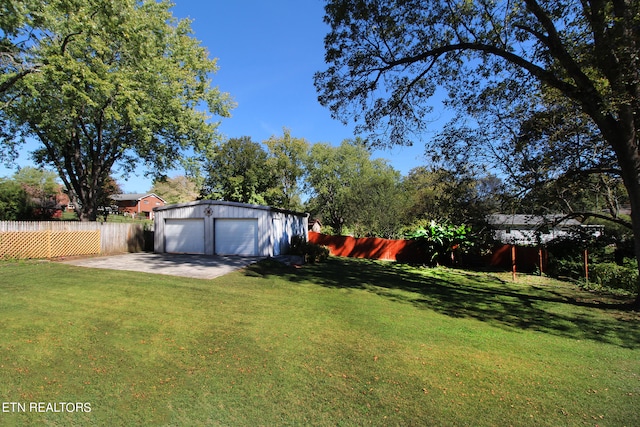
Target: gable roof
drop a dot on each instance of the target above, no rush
(227, 203)
(134, 197)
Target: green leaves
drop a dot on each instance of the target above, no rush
(286, 157)
(440, 239)
(350, 190)
(120, 83)
(15, 203)
(237, 171)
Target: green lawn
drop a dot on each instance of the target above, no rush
(347, 342)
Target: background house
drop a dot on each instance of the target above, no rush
(46, 206)
(315, 225)
(137, 204)
(525, 230)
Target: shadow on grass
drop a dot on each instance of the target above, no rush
(563, 311)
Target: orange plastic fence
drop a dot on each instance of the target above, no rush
(370, 247)
(527, 258)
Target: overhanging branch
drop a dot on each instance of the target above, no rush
(535, 70)
(574, 215)
(7, 84)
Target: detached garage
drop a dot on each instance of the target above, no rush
(212, 227)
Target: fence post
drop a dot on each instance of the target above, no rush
(586, 265)
(513, 262)
(540, 256)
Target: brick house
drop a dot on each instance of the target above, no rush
(137, 204)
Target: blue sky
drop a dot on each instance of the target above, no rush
(267, 53)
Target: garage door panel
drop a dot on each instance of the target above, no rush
(236, 237)
(184, 236)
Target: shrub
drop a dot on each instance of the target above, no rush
(613, 276)
(309, 251)
(439, 241)
(316, 253)
(298, 243)
(565, 268)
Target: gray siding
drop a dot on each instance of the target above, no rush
(284, 227)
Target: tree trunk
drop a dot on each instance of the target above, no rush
(634, 199)
(88, 214)
(628, 155)
(87, 199)
(636, 245)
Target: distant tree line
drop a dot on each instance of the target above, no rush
(341, 185)
(352, 193)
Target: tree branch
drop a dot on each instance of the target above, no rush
(554, 43)
(574, 215)
(7, 84)
(535, 70)
(67, 40)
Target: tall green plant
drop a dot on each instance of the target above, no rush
(440, 240)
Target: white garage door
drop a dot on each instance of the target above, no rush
(236, 237)
(184, 236)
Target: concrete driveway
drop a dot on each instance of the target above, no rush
(196, 266)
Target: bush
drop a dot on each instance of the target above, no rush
(316, 253)
(440, 240)
(298, 243)
(563, 268)
(311, 252)
(613, 276)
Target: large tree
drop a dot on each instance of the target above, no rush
(387, 57)
(380, 203)
(286, 159)
(349, 190)
(179, 189)
(237, 171)
(445, 196)
(118, 84)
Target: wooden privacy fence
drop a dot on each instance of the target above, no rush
(50, 239)
(48, 244)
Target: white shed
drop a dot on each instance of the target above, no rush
(226, 228)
